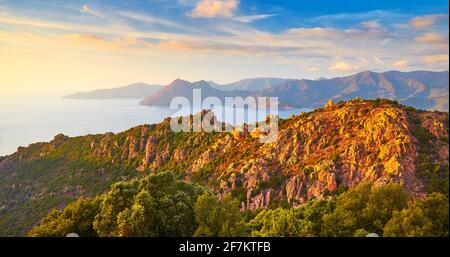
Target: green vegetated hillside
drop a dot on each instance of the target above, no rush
(343, 170)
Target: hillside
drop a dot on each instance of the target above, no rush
(132, 91)
(317, 155)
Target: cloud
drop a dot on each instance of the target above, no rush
(343, 66)
(251, 18)
(149, 19)
(333, 34)
(30, 22)
(401, 64)
(430, 38)
(215, 8)
(349, 48)
(224, 9)
(101, 43)
(228, 48)
(312, 69)
(371, 25)
(86, 9)
(370, 15)
(378, 61)
(436, 59)
(427, 21)
(90, 40)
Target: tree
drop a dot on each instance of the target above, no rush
(348, 215)
(218, 218)
(425, 217)
(365, 207)
(139, 220)
(383, 201)
(303, 221)
(157, 205)
(119, 198)
(77, 217)
(277, 222)
(313, 214)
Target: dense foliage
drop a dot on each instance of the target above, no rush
(157, 205)
(218, 218)
(425, 217)
(78, 217)
(161, 205)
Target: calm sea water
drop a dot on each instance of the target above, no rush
(27, 120)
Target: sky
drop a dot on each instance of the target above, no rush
(58, 46)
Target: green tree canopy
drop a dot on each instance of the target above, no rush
(365, 207)
(156, 205)
(218, 218)
(77, 217)
(426, 217)
(303, 221)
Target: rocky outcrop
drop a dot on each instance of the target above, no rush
(315, 156)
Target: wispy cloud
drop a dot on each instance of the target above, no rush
(312, 69)
(333, 33)
(149, 19)
(401, 64)
(430, 38)
(358, 16)
(88, 10)
(228, 48)
(364, 42)
(252, 18)
(343, 66)
(426, 21)
(104, 44)
(434, 59)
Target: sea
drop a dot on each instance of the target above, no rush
(28, 119)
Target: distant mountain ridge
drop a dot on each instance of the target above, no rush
(185, 89)
(253, 84)
(426, 90)
(135, 90)
(421, 89)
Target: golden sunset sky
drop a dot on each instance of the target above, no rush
(65, 46)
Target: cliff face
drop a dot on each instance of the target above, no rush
(316, 155)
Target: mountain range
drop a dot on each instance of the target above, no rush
(421, 89)
(426, 90)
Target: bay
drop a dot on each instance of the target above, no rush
(31, 119)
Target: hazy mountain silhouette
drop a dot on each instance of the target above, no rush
(135, 90)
